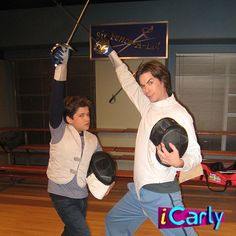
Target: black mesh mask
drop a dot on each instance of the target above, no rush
(103, 167)
(166, 131)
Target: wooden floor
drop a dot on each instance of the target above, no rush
(25, 210)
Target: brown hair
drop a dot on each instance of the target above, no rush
(158, 70)
(73, 103)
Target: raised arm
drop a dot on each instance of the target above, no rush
(60, 55)
(125, 76)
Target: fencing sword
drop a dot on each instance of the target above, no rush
(67, 44)
(113, 98)
(77, 24)
(59, 5)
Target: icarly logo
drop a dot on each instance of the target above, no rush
(177, 217)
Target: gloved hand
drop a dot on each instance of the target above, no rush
(60, 54)
(103, 47)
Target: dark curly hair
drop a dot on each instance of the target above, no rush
(73, 103)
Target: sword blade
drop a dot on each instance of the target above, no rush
(77, 23)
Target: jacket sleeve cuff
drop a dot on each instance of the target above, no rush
(60, 73)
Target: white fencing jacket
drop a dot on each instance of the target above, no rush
(147, 169)
(63, 163)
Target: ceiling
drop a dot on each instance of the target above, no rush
(27, 4)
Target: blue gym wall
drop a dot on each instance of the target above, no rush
(194, 26)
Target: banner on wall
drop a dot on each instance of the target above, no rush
(132, 40)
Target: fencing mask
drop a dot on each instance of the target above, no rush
(166, 131)
(101, 174)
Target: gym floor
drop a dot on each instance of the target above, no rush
(26, 209)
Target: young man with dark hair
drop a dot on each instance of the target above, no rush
(155, 183)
